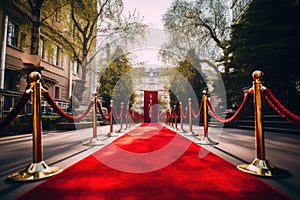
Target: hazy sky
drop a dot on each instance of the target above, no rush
(152, 10)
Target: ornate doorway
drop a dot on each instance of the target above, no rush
(150, 106)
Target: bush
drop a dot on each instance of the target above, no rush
(49, 122)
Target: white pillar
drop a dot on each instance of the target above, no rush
(3, 52)
(71, 79)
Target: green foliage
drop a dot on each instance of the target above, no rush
(49, 122)
(115, 81)
(184, 78)
(203, 25)
(268, 38)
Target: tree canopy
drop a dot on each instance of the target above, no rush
(267, 37)
(206, 23)
(78, 26)
(115, 82)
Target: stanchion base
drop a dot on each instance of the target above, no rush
(175, 129)
(189, 133)
(207, 141)
(181, 131)
(262, 168)
(111, 135)
(94, 142)
(35, 171)
(120, 131)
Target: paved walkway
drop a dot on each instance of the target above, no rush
(64, 148)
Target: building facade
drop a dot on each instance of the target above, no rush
(152, 81)
(59, 74)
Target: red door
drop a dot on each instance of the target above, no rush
(150, 106)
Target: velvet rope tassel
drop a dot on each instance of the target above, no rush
(278, 107)
(236, 114)
(63, 114)
(15, 111)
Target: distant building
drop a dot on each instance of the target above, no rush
(152, 81)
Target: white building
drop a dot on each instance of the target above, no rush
(152, 81)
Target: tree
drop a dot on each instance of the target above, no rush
(186, 80)
(77, 25)
(207, 22)
(116, 81)
(267, 37)
(84, 24)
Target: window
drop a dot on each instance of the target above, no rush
(56, 95)
(61, 58)
(12, 81)
(75, 68)
(55, 57)
(42, 48)
(13, 34)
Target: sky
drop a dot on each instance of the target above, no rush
(152, 12)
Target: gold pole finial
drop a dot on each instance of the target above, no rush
(35, 77)
(257, 75)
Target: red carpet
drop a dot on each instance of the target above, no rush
(152, 162)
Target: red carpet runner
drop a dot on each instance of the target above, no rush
(152, 162)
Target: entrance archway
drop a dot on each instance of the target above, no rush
(150, 106)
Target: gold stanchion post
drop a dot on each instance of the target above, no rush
(38, 169)
(126, 118)
(260, 166)
(121, 118)
(190, 132)
(172, 117)
(111, 128)
(205, 139)
(181, 119)
(95, 140)
(175, 118)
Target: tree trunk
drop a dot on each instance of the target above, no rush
(35, 32)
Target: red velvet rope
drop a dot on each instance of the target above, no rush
(236, 114)
(19, 106)
(199, 112)
(127, 113)
(177, 114)
(278, 107)
(163, 116)
(99, 105)
(174, 114)
(183, 115)
(63, 114)
(117, 115)
(168, 116)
